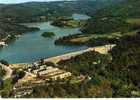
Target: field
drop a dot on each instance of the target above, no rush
(133, 21)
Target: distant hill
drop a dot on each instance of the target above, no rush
(29, 11)
(43, 11)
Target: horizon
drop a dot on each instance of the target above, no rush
(24, 1)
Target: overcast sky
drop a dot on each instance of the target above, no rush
(21, 1)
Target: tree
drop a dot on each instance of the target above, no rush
(2, 72)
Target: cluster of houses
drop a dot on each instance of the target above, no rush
(48, 72)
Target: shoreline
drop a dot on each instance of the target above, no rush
(101, 49)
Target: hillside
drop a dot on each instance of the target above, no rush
(113, 18)
(125, 64)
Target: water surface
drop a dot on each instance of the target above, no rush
(80, 17)
(32, 46)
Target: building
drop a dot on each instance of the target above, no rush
(49, 72)
(54, 74)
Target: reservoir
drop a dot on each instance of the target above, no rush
(32, 46)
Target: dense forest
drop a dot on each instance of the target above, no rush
(114, 18)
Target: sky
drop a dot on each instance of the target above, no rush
(21, 1)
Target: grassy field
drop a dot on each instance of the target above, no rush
(81, 39)
(133, 21)
(116, 35)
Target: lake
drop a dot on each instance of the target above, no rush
(32, 46)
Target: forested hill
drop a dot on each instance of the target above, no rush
(113, 18)
(127, 8)
(9, 30)
(51, 9)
